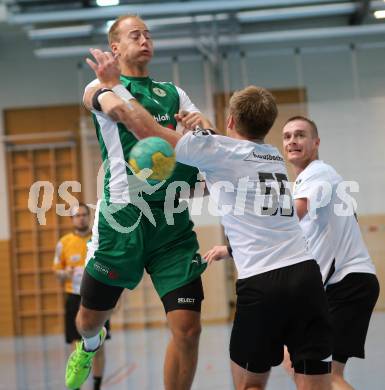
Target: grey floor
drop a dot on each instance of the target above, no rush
(134, 361)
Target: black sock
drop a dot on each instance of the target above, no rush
(97, 382)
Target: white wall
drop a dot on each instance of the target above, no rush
(28, 81)
(347, 102)
(345, 98)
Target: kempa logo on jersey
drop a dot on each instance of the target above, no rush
(186, 300)
(264, 157)
(159, 92)
(162, 118)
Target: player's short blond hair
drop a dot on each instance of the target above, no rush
(313, 126)
(254, 111)
(113, 32)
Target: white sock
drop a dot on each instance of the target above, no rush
(91, 343)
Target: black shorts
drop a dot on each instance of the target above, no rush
(72, 303)
(99, 296)
(351, 303)
(286, 306)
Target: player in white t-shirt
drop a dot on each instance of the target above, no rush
(277, 276)
(327, 218)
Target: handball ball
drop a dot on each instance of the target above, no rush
(153, 153)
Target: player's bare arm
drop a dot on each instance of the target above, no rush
(135, 118)
(88, 94)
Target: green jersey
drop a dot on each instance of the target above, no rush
(163, 101)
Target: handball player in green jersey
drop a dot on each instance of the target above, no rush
(140, 238)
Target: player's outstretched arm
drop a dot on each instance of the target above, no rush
(136, 118)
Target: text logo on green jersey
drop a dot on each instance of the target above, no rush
(162, 118)
(159, 92)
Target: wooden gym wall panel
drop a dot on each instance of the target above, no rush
(373, 230)
(7, 326)
(216, 305)
(37, 296)
(42, 119)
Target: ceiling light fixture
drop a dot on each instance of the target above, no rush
(379, 14)
(106, 3)
(61, 32)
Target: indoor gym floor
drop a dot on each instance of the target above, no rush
(135, 359)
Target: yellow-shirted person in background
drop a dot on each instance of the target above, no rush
(69, 263)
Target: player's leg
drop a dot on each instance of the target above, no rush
(72, 336)
(99, 361)
(182, 351)
(98, 367)
(351, 301)
(183, 307)
(338, 380)
(114, 262)
(313, 382)
(72, 303)
(287, 364)
(303, 381)
(256, 342)
(98, 301)
(246, 380)
(309, 331)
(175, 268)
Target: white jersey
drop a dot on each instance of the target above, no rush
(334, 238)
(248, 182)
